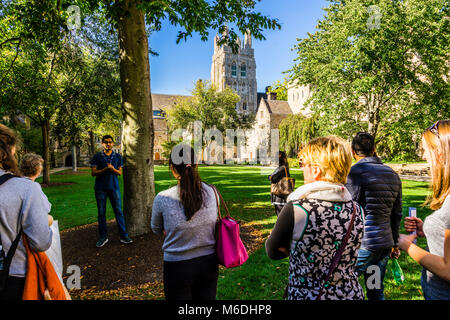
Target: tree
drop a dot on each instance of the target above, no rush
(27, 21)
(215, 109)
(129, 17)
(281, 89)
(295, 131)
(373, 66)
(40, 68)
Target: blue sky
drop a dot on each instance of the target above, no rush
(179, 66)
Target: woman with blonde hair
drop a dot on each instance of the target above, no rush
(436, 227)
(321, 228)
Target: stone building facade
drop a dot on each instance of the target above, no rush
(238, 71)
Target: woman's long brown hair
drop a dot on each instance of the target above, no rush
(8, 141)
(437, 141)
(182, 159)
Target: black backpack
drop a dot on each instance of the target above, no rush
(5, 259)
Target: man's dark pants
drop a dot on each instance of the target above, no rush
(378, 258)
(114, 197)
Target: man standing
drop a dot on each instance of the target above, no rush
(378, 189)
(106, 167)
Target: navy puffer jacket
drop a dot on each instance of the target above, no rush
(378, 189)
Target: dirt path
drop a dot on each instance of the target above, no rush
(115, 270)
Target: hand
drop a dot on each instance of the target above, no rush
(47, 295)
(50, 220)
(110, 166)
(405, 241)
(414, 224)
(284, 250)
(395, 253)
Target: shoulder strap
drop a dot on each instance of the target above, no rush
(338, 254)
(218, 195)
(12, 249)
(6, 177)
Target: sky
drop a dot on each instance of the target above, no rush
(179, 66)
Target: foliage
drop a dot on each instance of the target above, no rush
(281, 89)
(31, 140)
(97, 104)
(200, 16)
(65, 86)
(295, 131)
(215, 109)
(168, 146)
(378, 76)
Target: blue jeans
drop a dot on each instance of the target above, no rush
(434, 288)
(367, 258)
(116, 203)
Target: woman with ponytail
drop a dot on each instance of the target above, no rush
(186, 215)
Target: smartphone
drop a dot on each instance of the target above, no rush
(413, 214)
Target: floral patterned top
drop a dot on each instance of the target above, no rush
(313, 230)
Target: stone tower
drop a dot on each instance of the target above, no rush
(237, 71)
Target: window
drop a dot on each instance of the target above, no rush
(159, 114)
(243, 71)
(234, 70)
(244, 106)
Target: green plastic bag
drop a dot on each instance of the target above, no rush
(397, 272)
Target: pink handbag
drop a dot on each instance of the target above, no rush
(229, 247)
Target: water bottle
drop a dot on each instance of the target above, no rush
(397, 272)
(413, 213)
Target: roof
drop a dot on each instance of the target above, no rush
(278, 106)
(165, 101)
(259, 96)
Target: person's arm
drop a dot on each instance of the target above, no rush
(437, 265)
(353, 185)
(277, 175)
(117, 171)
(94, 168)
(279, 241)
(96, 172)
(396, 216)
(114, 170)
(157, 223)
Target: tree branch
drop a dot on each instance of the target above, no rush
(10, 40)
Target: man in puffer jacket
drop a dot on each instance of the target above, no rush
(378, 189)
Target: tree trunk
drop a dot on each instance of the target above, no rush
(138, 132)
(45, 126)
(91, 144)
(74, 158)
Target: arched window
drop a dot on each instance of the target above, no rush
(244, 106)
(243, 71)
(234, 70)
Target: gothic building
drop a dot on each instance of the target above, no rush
(237, 71)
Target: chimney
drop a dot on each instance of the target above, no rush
(271, 96)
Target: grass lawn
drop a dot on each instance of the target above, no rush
(247, 193)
